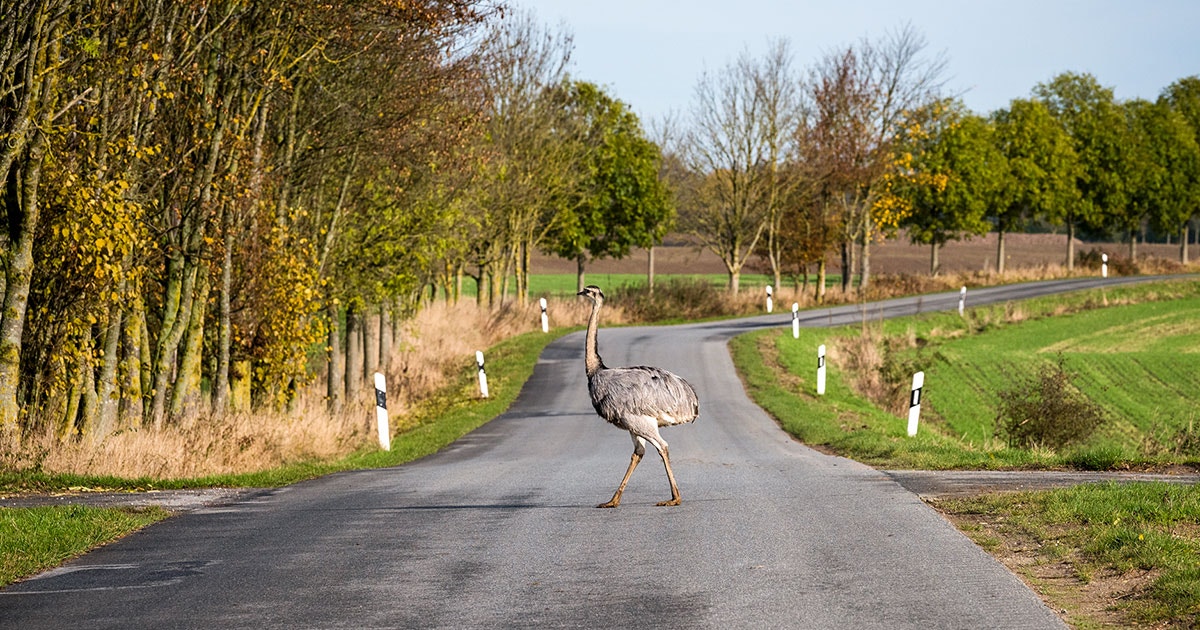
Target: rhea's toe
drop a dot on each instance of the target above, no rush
(674, 501)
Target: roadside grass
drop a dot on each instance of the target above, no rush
(33, 539)
(1138, 357)
(1148, 533)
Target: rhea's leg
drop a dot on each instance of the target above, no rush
(670, 477)
(639, 449)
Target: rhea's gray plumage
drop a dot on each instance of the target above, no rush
(638, 399)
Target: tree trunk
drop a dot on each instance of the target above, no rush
(335, 361)
(820, 286)
(1000, 252)
(131, 408)
(177, 307)
(1133, 239)
(239, 386)
(66, 428)
(580, 260)
(1183, 245)
(220, 391)
(1070, 245)
(385, 336)
(649, 270)
(865, 279)
(847, 264)
(526, 253)
(354, 352)
(88, 406)
(933, 258)
(186, 392)
(288, 160)
(371, 341)
(106, 389)
(23, 214)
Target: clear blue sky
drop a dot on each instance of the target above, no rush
(650, 53)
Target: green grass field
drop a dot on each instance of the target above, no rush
(1140, 362)
(563, 284)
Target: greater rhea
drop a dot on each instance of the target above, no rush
(639, 399)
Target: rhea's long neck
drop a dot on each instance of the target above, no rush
(591, 360)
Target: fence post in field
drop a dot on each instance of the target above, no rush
(962, 300)
(821, 370)
(769, 304)
(914, 402)
(1103, 265)
(545, 320)
(795, 320)
(483, 389)
(381, 413)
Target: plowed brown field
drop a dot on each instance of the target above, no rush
(897, 255)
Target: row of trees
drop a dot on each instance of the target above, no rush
(198, 194)
(793, 167)
(1070, 156)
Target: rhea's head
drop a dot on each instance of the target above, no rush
(593, 293)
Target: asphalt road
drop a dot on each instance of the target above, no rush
(499, 529)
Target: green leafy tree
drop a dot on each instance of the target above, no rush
(1165, 186)
(620, 203)
(1042, 168)
(954, 175)
(1094, 121)
(1183, 97)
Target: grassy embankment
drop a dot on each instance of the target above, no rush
(1138, 357)
(1135, 351)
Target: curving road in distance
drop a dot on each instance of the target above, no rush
(499, 530)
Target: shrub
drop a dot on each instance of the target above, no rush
(678, 298)
(1047, 410)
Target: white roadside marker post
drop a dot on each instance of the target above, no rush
(1103, 265)
(545, 320)
(482, 375)
(770, 305)
(821, 370)
(381, 413)
(914, 402)
(962, 300)
(795, 320)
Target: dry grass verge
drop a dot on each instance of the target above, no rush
(438, 343)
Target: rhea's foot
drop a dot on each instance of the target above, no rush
(674, 501)
(611, 504)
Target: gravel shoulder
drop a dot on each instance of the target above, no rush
(177, 501)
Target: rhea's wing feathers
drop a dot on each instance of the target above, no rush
(643, 391)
